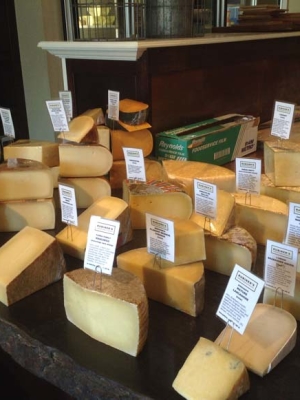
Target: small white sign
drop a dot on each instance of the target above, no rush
(280, 267)
(248, 175)
(58, 115)
(113, 105)
(68, 204)
(66, 97)
(101, 244)
(293, 228)
(282, 119)
(240, 297)
(160, 237)
(7, 122)
(205, 199)
(135, 164)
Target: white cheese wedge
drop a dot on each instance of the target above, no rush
(112, 309)
(73, 239)
(141, 139)
(282, 193)
(97, 115)
(88, 190)
(39, 150)
(103, 136)
(211, 373)
(269, 337)
(29, 261)
(155, 197)
(82, 129)
(181, 287)
(262, 216)
(84, 161)
(22, 179)
(235, 246)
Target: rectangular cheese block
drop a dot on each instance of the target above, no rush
(29, 261)
(282, 193)
(115, 313)
(141, 139)
(181, 287)
(15, 215)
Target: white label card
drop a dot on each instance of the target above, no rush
(135, 164)
(66, 97)
(101, 244)
(282, 119)
(68, 204)
(205, 199)
(240, 297)
(280, 267)
(58, 115)
(113, 105)
(248, 175)
(293, 228)
(8, 126)
(160, 237)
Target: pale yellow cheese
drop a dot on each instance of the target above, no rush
(103, 136)
(29, 261)
(141, 139)
(82, 129)
(211, 373)
(181, 287)
(112, 309)
(97, 115)
(55, 175)
(282, 193)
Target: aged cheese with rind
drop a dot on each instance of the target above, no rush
(133, 112)
(141, 139)
(29, 261)
(82, 129)
(282, 193)
(211, 373)
(112, 309)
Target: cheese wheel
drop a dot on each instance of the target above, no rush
(82, 129)
(142, 139)
(133, 112)
(282, 193)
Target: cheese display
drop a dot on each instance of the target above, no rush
(211, 373)
(29, 261)
(84, 160)
(141, 139)
(235, 246)
(133, 112)
(269, 337)
(262, 216)
(282, 193)
(15, 215)
(82, 129)
(181, 287)
(155, 197)
(43, 151)
(73, 239)
(22, 179)
(116, 313)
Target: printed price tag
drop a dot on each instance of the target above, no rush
(135, 164)
(293, 228)
(66, 98)
(248, 175)
(113, 105)
(205, 199)
(160, 237)
(58, 115)
(282, 119)
(8, 126)
(68, 204)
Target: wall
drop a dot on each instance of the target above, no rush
(294, 6)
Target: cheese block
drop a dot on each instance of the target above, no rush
(269, 337)
(141, 139)
(235, 246)
(82, 129)
(282, 193)
(117, 173)
(133, 112)
(55, 175)
(225, 215)
(211, 373)
(88, 190)
(103, 136)
(29, 261)
(43, 151)
(22, 179)
(262, 216)
(112, 309)
(15, 215)
(84, 161)
(280, 157)
(97, 115)
(181, 287)
(183, 173)
(73, 239)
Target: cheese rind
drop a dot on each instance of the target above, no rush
(141, 139)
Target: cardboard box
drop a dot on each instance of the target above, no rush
(216, 141)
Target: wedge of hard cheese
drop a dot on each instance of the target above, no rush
(211, 373)
(97, 115)
(112, 309)
(133, 112)
(269, 337)
(29, 261)
(282, 193)
(142, 139)
(82, 129)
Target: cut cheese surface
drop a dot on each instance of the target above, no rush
(97, 115)
(211, 373)
(82, 129)
(115, 314)
(142, 139)
(55, 175)
(103, 136)
(181, 287)
(22, 179)
(282, 193)
(269, 336)
(133, 112)
(29, 261)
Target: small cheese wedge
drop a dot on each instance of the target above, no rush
(29, 261)
(282, 193)
(22, 179)
(112, 309)
(73, 239)
(103, 136)
(235, 246)
(158, 198)
(211, 373)
(133, 112)
(82, 129)
(43, 151)
(141, 139)
(84, 161)
(181, 287)
(97, 115)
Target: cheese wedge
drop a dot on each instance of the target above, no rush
(97, 115)
(29, 261)
(269, 337)
(73, 239)
(82, 129)
(103, 136)
(282, 193)
(158, 198)
(22, 179)
(84, 161)
(142, 139)
(133, 112)
(235, 246)
(112, 309)
(211, 373)
(180, 287)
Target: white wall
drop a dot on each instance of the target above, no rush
(294, 6)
